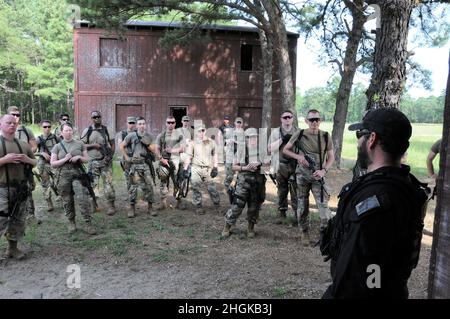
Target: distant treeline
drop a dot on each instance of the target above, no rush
(420, 110)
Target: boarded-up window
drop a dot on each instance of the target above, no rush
(113, 52)
(246, 57)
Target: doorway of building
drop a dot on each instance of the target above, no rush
(178, 112)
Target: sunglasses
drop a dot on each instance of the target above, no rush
(362, 133)
(315, 119)
(202, 130)
(238, 122)
(131, 122)
(64, 119)
(185, 120)
(170, 122)
(47, 126)
(15, 114)
(96, 117)
(287, 117)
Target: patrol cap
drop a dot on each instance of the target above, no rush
(251, 132)
(386, 121)
(200, 127)
(185, 118)
(239, 119)
(131, 119)
(226, 117)
(95, 113)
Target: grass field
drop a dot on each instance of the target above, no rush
(424, 135)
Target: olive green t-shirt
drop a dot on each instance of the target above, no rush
(21, 135)
(136, 143)
(436, 146)
(310, 144)
(97, 137)
(74, 147)
(169, 139)
(16, 172)
(275, 135)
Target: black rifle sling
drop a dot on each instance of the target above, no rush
(24, 129)
(63, 147)
(6, 172)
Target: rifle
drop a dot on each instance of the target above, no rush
(52, 177)
(183, 185)
(86, 180)
(149, 159)
(172, 177)
(107, 153)
(23, 191)
(273, 177)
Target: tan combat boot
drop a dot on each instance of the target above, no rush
(226, 232)
(90, 229)
(13, 252)
(50, 205)
(251, 230)
(132, 211)
(163, 204)
(305, 238)
(72, 226)
(111, 209)
(151, 211)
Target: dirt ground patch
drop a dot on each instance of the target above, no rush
(179, 255)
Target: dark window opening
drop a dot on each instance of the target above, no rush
(113, 53)
(246, 57)
(178, 112)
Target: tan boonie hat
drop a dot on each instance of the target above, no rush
(131, 119)
(185, 118)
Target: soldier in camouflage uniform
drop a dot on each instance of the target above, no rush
(46, 141)
(15, 156)
(250, 186)
(25, 134)
(100, 145)
(201, 152)
(169, 145)
(131, 128)
(318, 147)
(141, 143)
(234, 138)
(63, 119)
(66, 158)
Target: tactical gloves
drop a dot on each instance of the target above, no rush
(214, 172)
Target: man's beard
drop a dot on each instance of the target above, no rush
(363, 156)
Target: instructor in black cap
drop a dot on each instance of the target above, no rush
(374, 239)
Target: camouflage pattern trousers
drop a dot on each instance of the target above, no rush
(250, 190)
(163, 189)
(98, 168)
(140, 177)
(201, 175)
(12, 227)
(30, 201)
(229, 175)
(72, 190)
(126, 174)
(44, 168)
(304, 185)
(285, 176)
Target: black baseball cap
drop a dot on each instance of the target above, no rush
(387, 121)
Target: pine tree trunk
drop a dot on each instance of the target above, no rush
(439, 279)
(389, 72)
(267, 60)
(281, 49)
(347, 75)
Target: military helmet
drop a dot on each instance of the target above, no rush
(163, 172)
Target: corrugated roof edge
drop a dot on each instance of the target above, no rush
(161, 24)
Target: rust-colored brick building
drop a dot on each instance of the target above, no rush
(135, 76)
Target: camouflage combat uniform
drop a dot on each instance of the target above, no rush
(232, 137)
(25, 134)
(69, 184)
(306, 182)
(250, 190)
(201, 153)
(140, 175)
(172, 139)
(126, 168)
(285, 173)
(46, 144)
(97, 165)
(13, 227)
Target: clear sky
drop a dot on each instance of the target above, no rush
(311, 74)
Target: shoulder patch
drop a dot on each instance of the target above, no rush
(367, 204)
